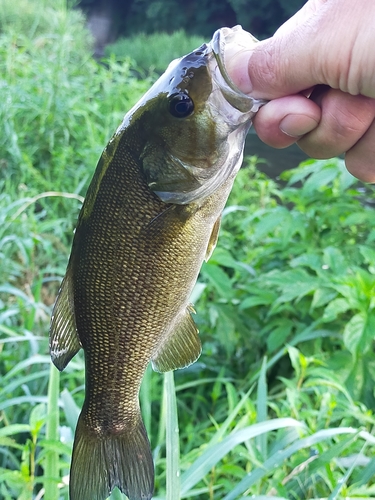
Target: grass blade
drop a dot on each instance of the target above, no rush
(145, 399)
(275, 460)
(215, 453)
(367, 473)
(172, 438)
(71, 410)
(230, 418)
(51, 464)
(262, 396)
(336, 492)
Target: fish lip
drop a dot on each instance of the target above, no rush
(238, 99)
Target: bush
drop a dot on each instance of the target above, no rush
(59, 106)
(154, 52)
(302, 261)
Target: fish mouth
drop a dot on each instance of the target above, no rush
(233, 95)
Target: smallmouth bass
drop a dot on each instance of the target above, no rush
(150, 218)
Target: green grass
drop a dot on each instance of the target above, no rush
(281, 402)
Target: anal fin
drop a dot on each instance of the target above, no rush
(64, 342)
(182, 348)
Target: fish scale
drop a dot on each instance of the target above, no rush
(150, 218)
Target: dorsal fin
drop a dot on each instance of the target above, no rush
(182, 348)
(64, 342)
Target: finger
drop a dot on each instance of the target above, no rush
(300, 17)
(359, 159)
(345, 119)
(263, 70)
(308, 52)
(283, 121)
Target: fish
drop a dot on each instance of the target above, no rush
(150, 218)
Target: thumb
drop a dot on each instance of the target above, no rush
(278, 66)
(304, 52)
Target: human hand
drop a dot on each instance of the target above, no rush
(326, 51)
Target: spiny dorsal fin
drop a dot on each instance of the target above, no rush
(213, 239)
(64, 342)
(182, 348)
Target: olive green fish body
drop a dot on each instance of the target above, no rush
(131, 305)
(150, 218)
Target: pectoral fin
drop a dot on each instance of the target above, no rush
(182, 348)
(213, 239)
(64, 342)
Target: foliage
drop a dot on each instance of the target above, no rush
(281, 403)
(58, 105)
(201, 17)
(302, 259)
(155, 51)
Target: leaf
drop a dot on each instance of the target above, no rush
(214, 454)
(368, 253)
(260, 297)
(38, 418)
(71, 410)
(197, 292)
(354, 333)
(359, 333)
(334, 259)
(268, 223)
(225, 328)
(219, 279)
(296, 359)
(223, 257)
(322, 296)
(278, 335)
(297, 290)
(334, 308)
(356, 218)
(367, 473)
(22, 399)
(300, 173)
(346, 179)
(12, 429)
(311, 260)
(320, 179)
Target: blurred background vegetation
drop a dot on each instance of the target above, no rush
(119, 18)
(281, 403)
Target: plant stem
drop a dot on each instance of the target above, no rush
(51, 466)
(172, 439)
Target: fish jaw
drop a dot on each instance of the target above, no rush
(220, 43)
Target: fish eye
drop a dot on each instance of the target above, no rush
(180, 105)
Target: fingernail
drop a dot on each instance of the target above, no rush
(297, 125)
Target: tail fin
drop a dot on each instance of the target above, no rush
(100, 463)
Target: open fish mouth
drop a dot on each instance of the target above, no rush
(235, 97)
